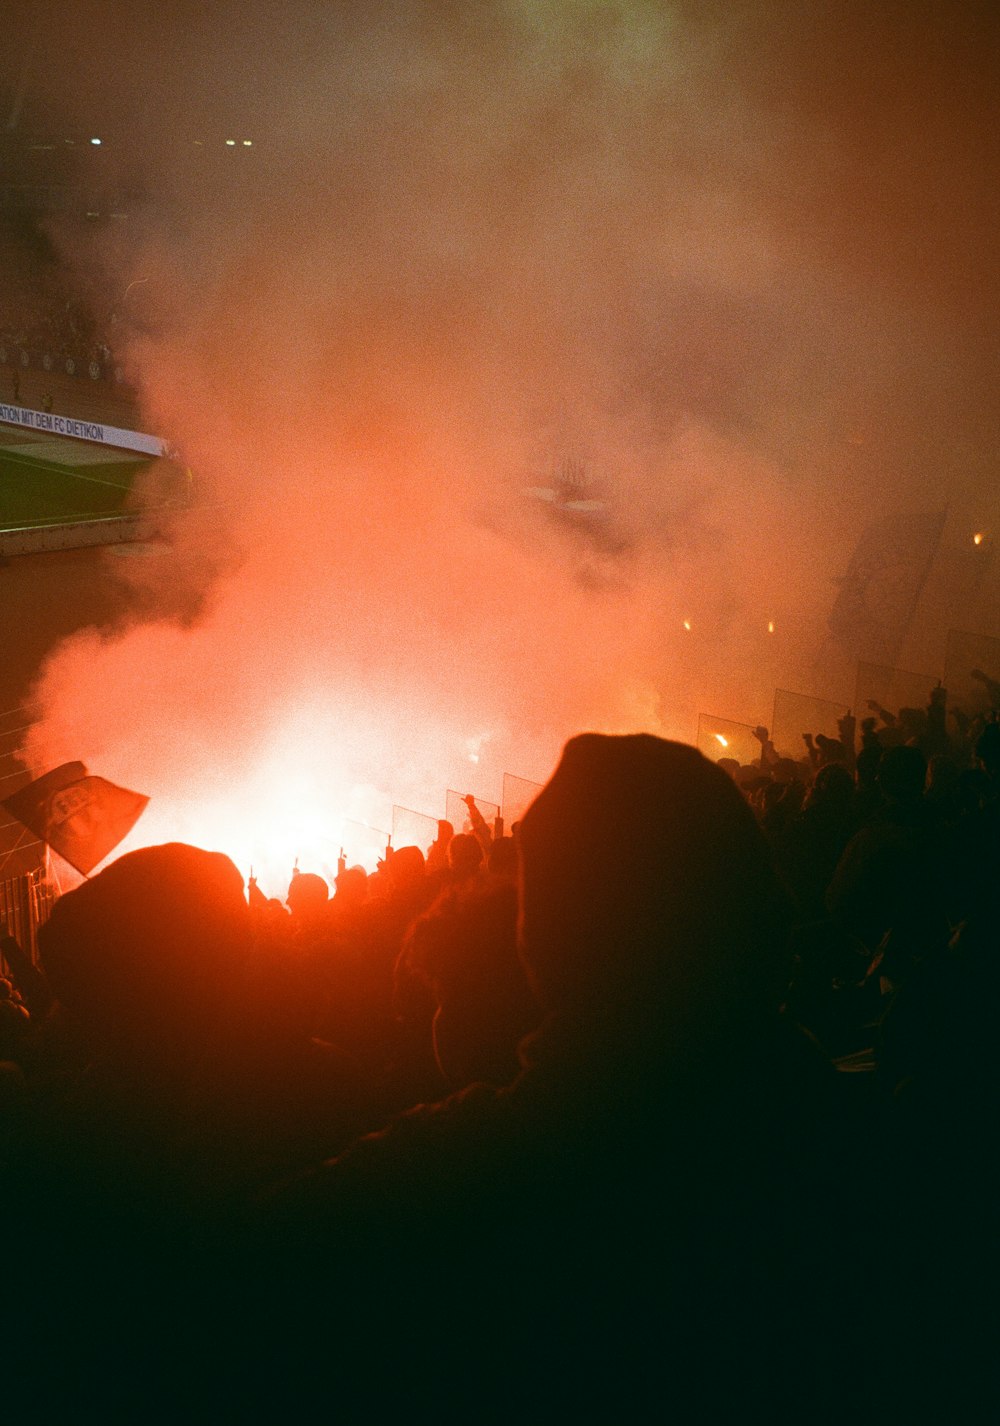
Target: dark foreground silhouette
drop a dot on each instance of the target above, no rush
(669, 1204)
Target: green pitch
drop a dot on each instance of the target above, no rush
(49, 480)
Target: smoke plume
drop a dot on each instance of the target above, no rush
(505, 341)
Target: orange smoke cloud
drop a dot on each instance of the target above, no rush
(455, 260)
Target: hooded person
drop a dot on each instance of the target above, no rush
(633, 1185)
(148, 962)
(193, 1078)
(149, 956)
(649, 907)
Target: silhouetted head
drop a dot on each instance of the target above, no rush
(502, 860)
(352, 886)
(406, 868)
(307, 895)
(465, 855)
(868, 761)
(831, 750)
(152, 948)
(902, 774)
(988, 748)
(912, 721)
(647, 892)
(942, 776)
(832, 791)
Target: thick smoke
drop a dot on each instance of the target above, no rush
(722, 270)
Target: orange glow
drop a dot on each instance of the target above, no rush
(978, 537)
(302, 794)
(273, 817)
(687, 625)
(770, 626)
(720, 739)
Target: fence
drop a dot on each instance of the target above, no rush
(890, 688)
(412, 829)
(518, 795)
(722, 738)
(20, 850)
(25, 903)
(799, 713)
(458, 814)
(363, 845)
(966, 654)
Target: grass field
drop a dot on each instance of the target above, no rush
(51, 480)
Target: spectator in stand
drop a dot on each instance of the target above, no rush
(890, 874)
(465, 859)
(867, 796)
(480, 829)
(307, 900)
(362, 969)
(502, 860)
(351, 895)
(194, 1074)
(812, 843)
(463, 952)
(437, 852)
(656, 1166)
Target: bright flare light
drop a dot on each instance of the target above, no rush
(720, 739)
(687, 625)
(302, 793)
(294, 801)
(978, 538)
(770, 626)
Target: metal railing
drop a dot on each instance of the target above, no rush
(25, 904)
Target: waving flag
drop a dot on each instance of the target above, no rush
(81, 817)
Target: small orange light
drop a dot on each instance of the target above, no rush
(770, 626)
(977, 538)
(687, 625)
(724, 741)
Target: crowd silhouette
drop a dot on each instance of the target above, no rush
(680, 1102)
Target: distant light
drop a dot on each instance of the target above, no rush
(720, 739)
(473, 757)
(197, 143)
(96, 141)
(248, 143)
(770, 626)
(978, 537)
(231, 143)
(687, 625)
